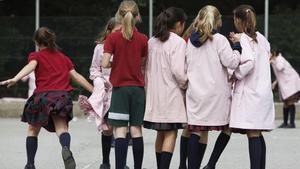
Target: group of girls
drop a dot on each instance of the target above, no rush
(165, 84)
(198, 92)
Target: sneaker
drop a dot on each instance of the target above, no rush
(104, 166)
(283, 125)
(29, 166)
(68, 158)
(292, 126)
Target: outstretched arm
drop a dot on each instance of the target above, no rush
(24, 72)
(81, 80)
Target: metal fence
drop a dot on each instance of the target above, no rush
(76, 36)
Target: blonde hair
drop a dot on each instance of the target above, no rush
(188, 32)
(208, 18)
(111, 24)
(247, 16)
(126, 14)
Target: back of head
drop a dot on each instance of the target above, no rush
(45, 37)
(246, 14)
(166, 20)
(208, 19)
(111, 24)
(126, 14)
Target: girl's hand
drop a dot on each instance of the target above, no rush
(9, 82)
(234, 37)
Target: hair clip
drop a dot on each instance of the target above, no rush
(248, 10)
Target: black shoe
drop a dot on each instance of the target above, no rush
(68, 158)
(292, 126)
(126, 167)
(104, 166)
(29, 166)
(208, 167)
(283, 125)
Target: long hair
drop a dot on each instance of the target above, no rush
(166, 20)
(45, 37)
(247, 16)
(208, 18)
(188, 32)
(126, 14)
(111, 24)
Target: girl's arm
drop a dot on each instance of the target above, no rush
(247, 61)
(81, 80)
(178, 65)
(24, 72)
(229, 58)
(106, 60)
(278, 62)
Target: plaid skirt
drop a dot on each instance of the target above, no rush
(195, 128)
(40, 106)
(292, 99)
(163, 126)
(244, 131)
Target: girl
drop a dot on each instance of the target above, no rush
(166, 77)
(252, 109)
(289, 86)
(50, 106)
(129, 48)
(209, 54)
(98, 103)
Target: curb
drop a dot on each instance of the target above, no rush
(13, 108)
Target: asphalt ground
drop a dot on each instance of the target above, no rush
(283, 148)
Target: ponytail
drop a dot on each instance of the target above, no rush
(126, 15)
(128, 25)
(161, 27)
(246, 14)
(166, 20)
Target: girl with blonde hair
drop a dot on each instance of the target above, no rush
(209, 54)
(129, 48)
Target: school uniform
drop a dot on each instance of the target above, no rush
(252, 103)
(52, 93)
(165, 80)
(208, 92)
(288, 79)
(97, 105)
(128, 95)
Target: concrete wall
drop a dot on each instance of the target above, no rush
(13, 108)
